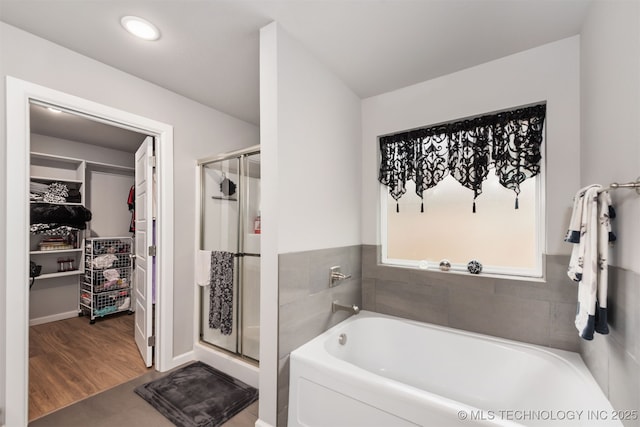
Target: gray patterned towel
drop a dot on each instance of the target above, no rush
(221, 292)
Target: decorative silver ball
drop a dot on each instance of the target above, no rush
(474, 267)
(445, 265)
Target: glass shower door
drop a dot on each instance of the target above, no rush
(250, 262)
(220, 222)
(230, 222)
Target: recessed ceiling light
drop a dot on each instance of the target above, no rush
(140, 28)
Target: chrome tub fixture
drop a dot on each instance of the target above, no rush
(353, 309)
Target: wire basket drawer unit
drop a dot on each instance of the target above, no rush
(106, 287)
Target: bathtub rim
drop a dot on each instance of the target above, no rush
(565, 355)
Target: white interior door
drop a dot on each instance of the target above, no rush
(143, 288)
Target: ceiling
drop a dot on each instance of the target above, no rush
(209, 49)
(70, 126)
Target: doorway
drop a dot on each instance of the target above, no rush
(19, 95)
(87, 269)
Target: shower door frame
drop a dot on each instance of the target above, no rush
(243, 203)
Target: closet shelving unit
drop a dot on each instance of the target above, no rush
(108, 271)
(63, 258)
(62, 255)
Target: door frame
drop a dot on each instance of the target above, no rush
(16, 298)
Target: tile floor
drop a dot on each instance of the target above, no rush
(120, 406)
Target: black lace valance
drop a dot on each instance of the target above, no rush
(509, 142)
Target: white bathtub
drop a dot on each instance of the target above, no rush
(397, 372)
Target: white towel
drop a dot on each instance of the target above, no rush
(203, 268)
(576, 229)
(588, 264)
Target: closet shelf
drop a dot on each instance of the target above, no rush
(59, 251)
(61, 274)
(52, 203)
(55, 157)
(45, 170)
(48, 179)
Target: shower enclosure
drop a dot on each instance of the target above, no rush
(230, 222)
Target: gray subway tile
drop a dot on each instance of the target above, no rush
(413, 301)
(369, 294)
(623, 309)
(500, 315)
(595, 354)
(369, 259)
(624, 380)
(465, 282)
(293, 277)
(302, 320)
(523, 289)
(562, 331)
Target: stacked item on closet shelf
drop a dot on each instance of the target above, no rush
(106, 288)
(52, 191)
(58, 216)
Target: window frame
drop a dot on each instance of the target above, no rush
(535, 273)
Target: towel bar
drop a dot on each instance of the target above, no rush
(615, 186)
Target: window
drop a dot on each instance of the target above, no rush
(465, 208)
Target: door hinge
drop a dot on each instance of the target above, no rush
(152, 159)
(151, 341)
(152, 251)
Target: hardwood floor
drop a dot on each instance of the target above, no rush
(70, 360)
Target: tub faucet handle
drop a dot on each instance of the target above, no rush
(336, 276)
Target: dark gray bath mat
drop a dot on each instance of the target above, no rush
(198, 396)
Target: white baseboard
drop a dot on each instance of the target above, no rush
(53, 318)
(187, 357)
(261, 423)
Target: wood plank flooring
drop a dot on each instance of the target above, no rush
(70, 360)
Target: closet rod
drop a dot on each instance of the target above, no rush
(614, 186)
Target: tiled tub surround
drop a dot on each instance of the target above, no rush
(305, 303)
(523, 310)
(528, 311)
(614, 359)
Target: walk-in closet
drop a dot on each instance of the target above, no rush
(82, 210)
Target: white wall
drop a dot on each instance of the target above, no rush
(107, 201)
(611, 115)
(319, 154)
(610, 89)
(310, 136)
(199, 132)
(549, 72)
